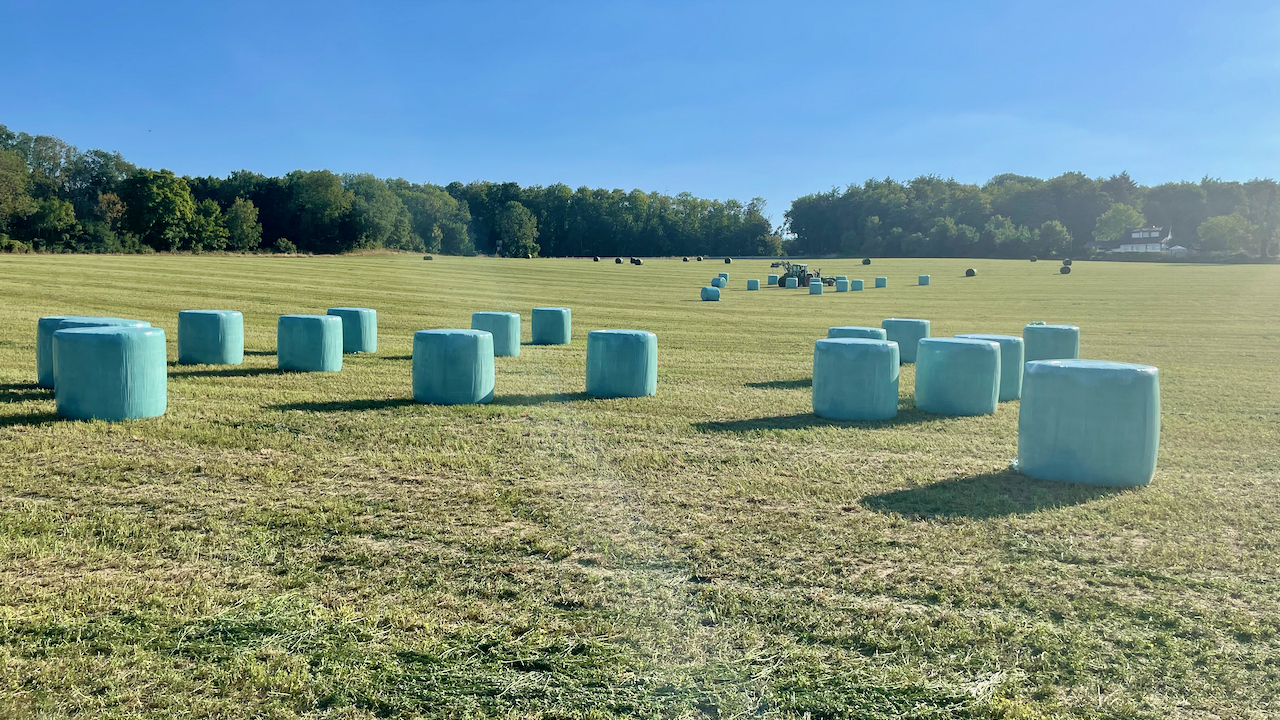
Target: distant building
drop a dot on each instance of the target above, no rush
(1142, 240)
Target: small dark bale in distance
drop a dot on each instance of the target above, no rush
(699, 258)
(686, 259)
(728, 260)
(529, 256)
(970, 272)
(1065, 269)
(618, 260)
(595, 259)
(427, 257)
(637, 261)
(866, 261)
(1067, 262)
(1033, 258)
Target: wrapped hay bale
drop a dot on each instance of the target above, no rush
(882, 282)
(711, 293)
(622, 363)
(866, 261)
(505, 328)
(45, 328)
(753, 284)
(773, 280)
(1051, 342)
(728, 260)
(309, 343)
(111, 373)
(724, 275)
(855, 285)
(210, 337)
(957, 376)
(923, 280)
(856, 331)
(359, 329)
(815, 287)
(1089, 421)
(842, 285)
(617, 260)
(1011, 361)
(1065, 270)
(453, 367)
(907, 332)
(970, 272)
(792, 283)
(855, 379)
(552, 325)
(49, 369)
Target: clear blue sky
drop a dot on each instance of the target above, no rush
(723, 99)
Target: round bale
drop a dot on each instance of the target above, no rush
(453, 367)
(210, 337)
(622, 363)
(505, 328)
(309, 343)
(958, 376)
(855, 379)
(711, 293)
(111, 373)
(1051, 342)
(552, 325)
(359, 329)
(907, 332)
(1011, 361)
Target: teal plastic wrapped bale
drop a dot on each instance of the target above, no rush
(505, 328)
(111, 373)
(710, 293)
(856, 331)
(210, 337)
(882, 282)
(923, 280)
(815, 287)
(753, 284)
(855, 286)
(45, 328)
(792, 283)
(359, 329)
(957, 376)
(1011, 360)
(907, 332)
(1051, 342)
(309, 343)
(718, 282)
(842, 285)
(773, 279)
(855, 379)
(622, 363)
(841, 277)
(76, 322)
(453, 367)
(1089, 421)
(552, 326)
(725, 276)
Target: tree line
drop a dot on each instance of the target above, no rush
(55, 198)
(1016, 216)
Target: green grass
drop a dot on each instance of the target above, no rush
(283, 545)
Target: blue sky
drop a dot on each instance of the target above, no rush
(723, 99)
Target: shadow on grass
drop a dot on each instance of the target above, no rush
(260, 353)
(224, 372)
(21, 392)
(395, 357)
(986, 496)
(28, 419)
(782, 384)
(804, 421)
(346, 405)
(539, 399)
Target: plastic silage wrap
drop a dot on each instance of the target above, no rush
(210, 337)
(505, 328)
(1011, 361)
(359, 329)
(753, 284)
(923, 280)
(111, 373)
(725, 276)
(773, 279)
(882, 282)
(815, 287)
(710, 293)
(855, 379)
(76, 322)
(45, 328)
(1051, 342)
(855, 285)
(453, 367)
(552, 325)
(1089, 421)
(718, 282)
(792, 283)
(956, 376)
(841, 277)
(622, 363)
(907, 332)
(856, 331)
(842, 285)
(309, 343)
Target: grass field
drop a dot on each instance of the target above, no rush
(283, 545)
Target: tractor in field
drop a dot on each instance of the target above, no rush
(801, 273)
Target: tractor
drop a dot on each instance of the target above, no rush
(800, 273)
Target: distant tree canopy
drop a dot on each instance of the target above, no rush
(54, 198)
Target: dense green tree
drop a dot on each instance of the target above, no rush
(1122, 189)
(159, 209)
(517, 231)
(244, 234)
(53, 226)
(208, 230)
(1180, 207)
(15, 182)
(1228, 233)
(380, 218)
(1118, 218)
(1054, 240)
(1008, 240)
(436, 217)
(320, 209)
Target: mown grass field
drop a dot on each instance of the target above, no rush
(283, 545)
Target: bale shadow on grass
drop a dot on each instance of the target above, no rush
(346, 405)
(395, 357)
(782, 384)
(539, 399)
(261, 353)
(984, 496)
(39, 418)
(21, 392)
(804, 421)
(224, 372)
